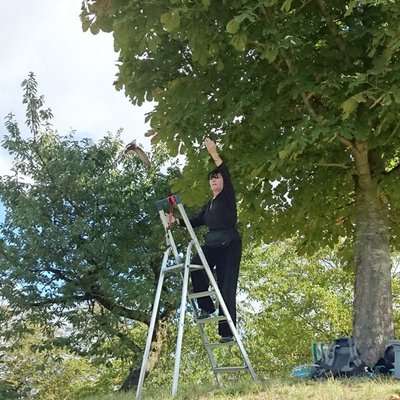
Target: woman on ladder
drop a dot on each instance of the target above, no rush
(223, 245)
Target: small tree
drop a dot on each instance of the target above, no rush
(78, 248)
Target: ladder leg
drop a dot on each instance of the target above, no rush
(205, 343)
(181, 322)
(228, 317)
(152, 325)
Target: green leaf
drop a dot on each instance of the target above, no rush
(396, 96)
(270, 54)
(348, 107)
(351, 104)
(350, 7)
(239, 41)
(272, 166)
(94, 28)
(206, 4)
(153, 43)
(283, 154)
(86, 22)
(233, 26)
(171, 21)
(256, 172)
(286, 5)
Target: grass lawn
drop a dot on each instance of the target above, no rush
(344, 389)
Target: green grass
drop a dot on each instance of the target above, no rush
(344, 389)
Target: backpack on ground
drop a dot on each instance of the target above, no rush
(385, 365)
(342, 358)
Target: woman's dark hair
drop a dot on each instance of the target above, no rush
(213, 173)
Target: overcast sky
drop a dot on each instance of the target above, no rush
(75, 71)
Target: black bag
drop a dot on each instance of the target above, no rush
(342, 359)
(385, 365)
(219, 237)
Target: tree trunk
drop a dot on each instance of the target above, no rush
(373, 313)
(159, 337)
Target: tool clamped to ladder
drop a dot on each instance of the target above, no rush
(185, 267)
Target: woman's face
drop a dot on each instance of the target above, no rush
(216, 183)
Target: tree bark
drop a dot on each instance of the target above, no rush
(159, 337)
(373, 312)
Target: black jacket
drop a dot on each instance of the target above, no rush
(219, 213)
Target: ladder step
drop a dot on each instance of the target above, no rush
(177, 267)
(201, 294)
(211, 319)
(230, 369)
(174, 267)
(218, 344)
(196, 266)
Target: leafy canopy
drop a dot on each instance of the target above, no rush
(290, 89)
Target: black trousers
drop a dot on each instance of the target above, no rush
(225, 261)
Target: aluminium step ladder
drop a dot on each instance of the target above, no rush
(185, 268)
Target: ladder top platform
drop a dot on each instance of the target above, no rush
(167, 202)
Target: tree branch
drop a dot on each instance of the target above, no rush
(108, 304)
(58, 274)
(61, 300)
(306, 101)
(120, 310)
(335, 32)
(132, 344)
(394, 130)
(343, 166)
(309, 107)
(346, 142)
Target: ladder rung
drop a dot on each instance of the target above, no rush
(230, 369)
(196, 266)
(173, 268)
(176, 267)
(211, 319)
(201, 294)
(218, 344)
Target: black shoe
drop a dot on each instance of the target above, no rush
(226, 339)
(203, 314)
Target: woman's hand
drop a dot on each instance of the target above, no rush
(211, 146)
(171, 219)
(212, 149)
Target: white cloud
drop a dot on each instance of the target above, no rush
(75, 71)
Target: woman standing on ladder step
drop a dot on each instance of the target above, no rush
(223, 245)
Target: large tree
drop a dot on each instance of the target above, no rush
(79, 252)
(305, 96)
